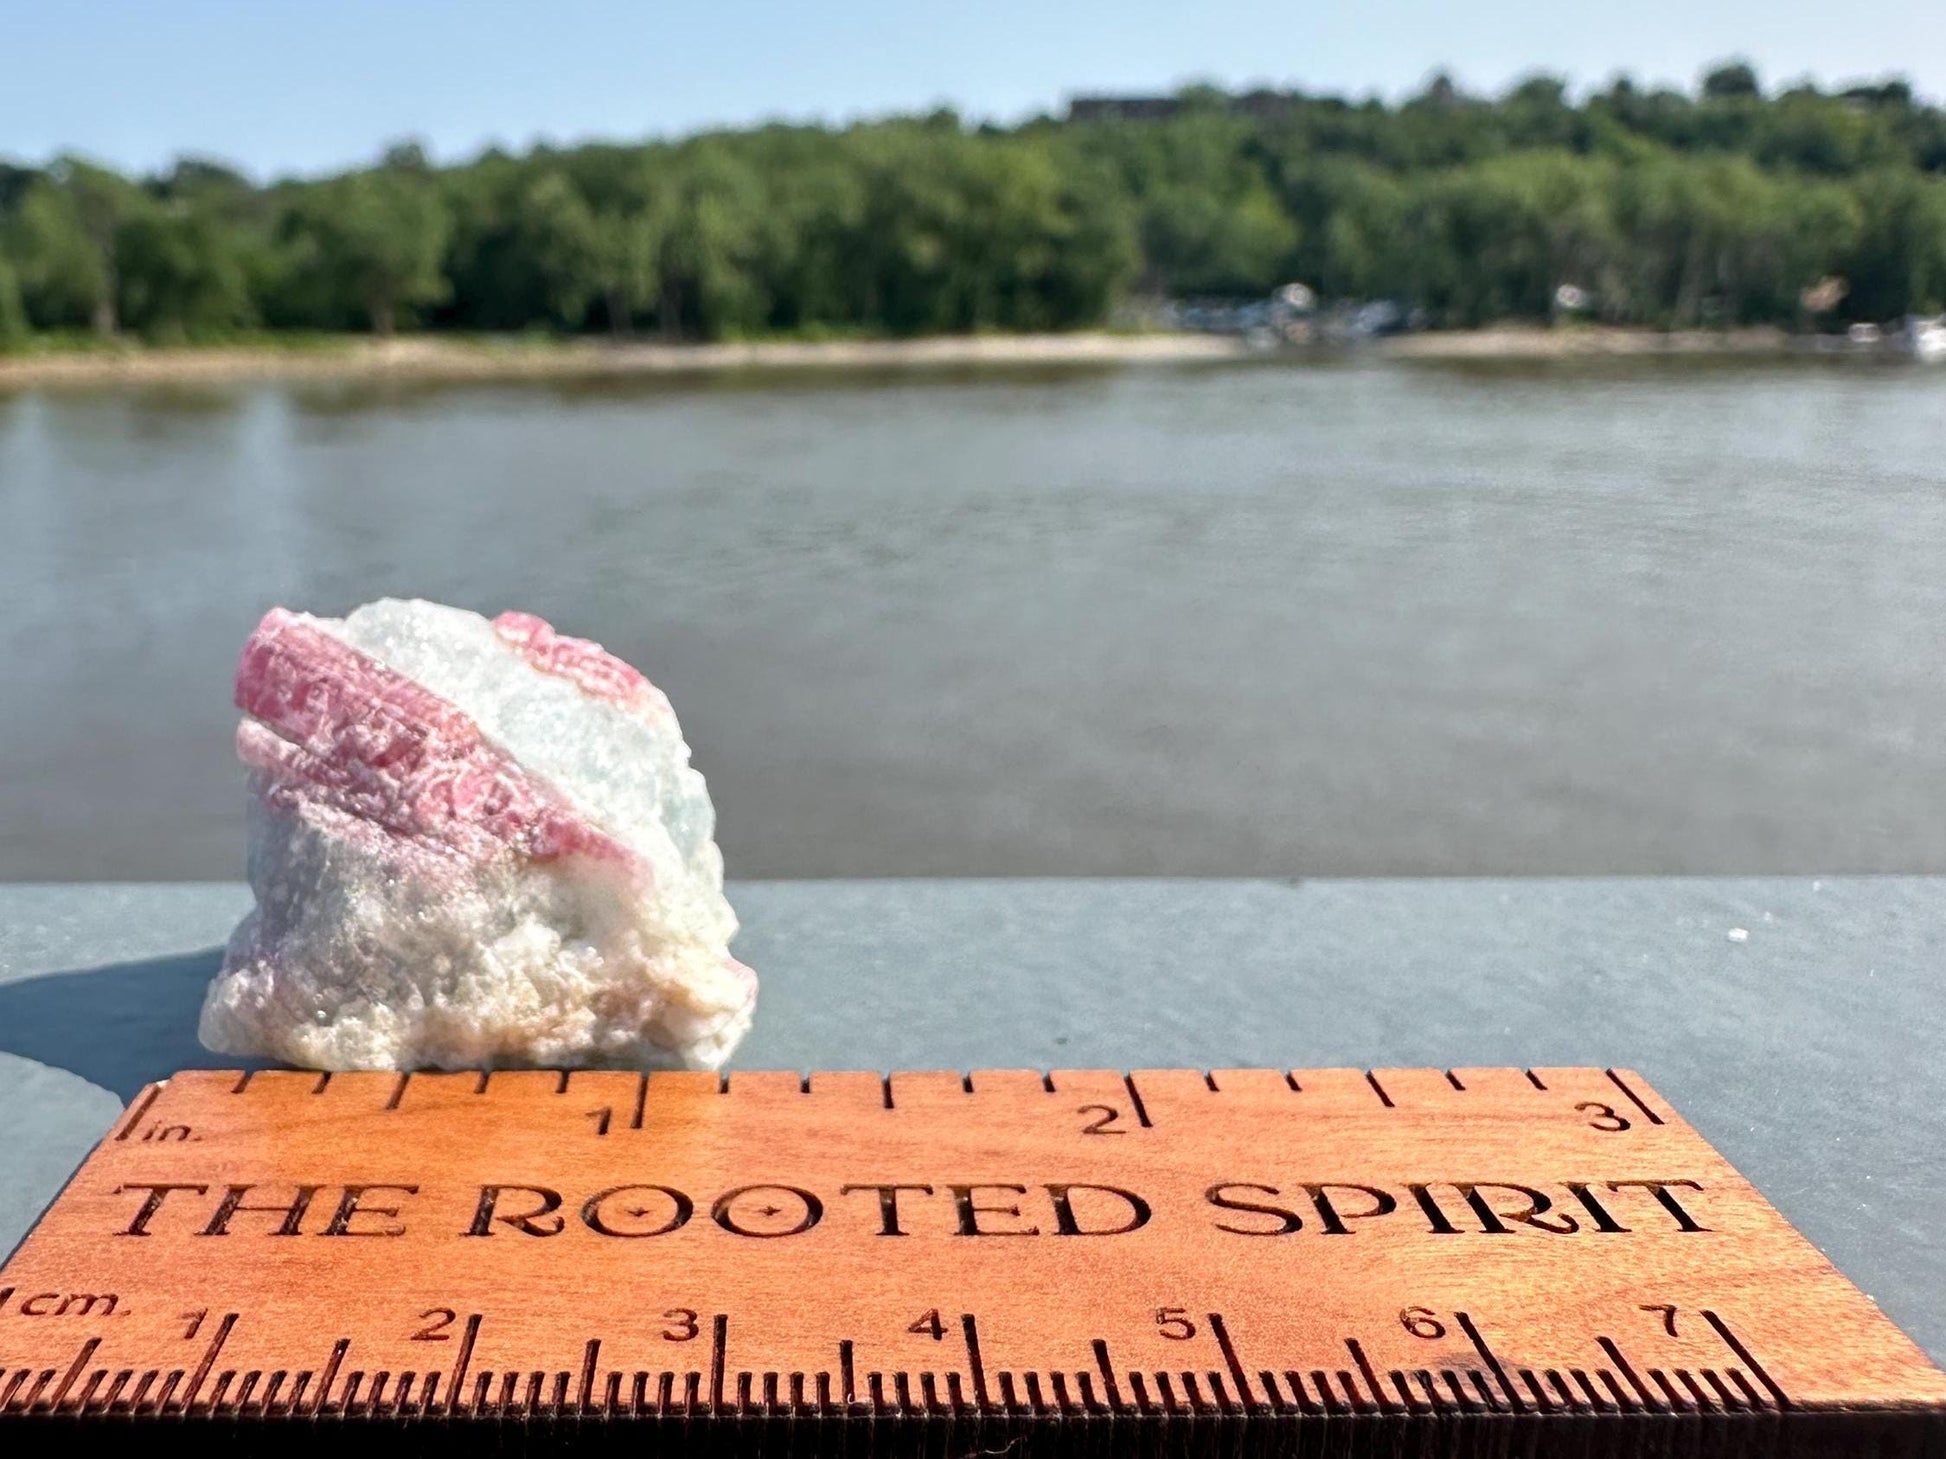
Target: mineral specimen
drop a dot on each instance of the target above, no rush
(472, 844)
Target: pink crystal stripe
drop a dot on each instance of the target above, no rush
(589, 666)
(336, 726)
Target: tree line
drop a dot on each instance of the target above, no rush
(1668, 208)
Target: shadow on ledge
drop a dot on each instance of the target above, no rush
(120, 1026)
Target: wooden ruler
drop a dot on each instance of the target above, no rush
(1326, 1261)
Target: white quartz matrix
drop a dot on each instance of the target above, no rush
(473, 844)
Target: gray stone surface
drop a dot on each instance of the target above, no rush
(1808, 1051)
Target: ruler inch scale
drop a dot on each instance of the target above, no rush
(1330, 1262)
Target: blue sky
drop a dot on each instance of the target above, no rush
(303, 87)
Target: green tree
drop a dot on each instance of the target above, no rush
(61, 237)
(1732, 80)
(1897, 264)
(1209, 221)
(182, 274)
(1716, 204)
(710, 244)
(559, 236)
(627, 263)
(13, 313)
(379, 239)
(1366, 245)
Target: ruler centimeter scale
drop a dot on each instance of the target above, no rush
(1476, 1261)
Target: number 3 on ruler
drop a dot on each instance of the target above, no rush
(683, 1325)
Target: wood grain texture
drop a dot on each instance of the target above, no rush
(1474, 1261)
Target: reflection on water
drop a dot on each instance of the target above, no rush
(1651, 616)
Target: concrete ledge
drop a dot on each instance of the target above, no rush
(1807, 1050)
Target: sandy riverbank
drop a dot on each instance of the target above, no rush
(428, 358)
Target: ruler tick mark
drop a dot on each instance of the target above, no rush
(209, 1359)
(1724, 1396)
(84, 1401)
(1222, 1333)
(1633, 1098)
(1697, 1399)
(1595, 1400)
(461, 1360)
(1400, 1388)
(1108, 1384)
(1622, 1400)
(1348, 1387)
(1378, 1089)
(1493, 1364)
(398, 1091)
(1735, 1345)
(1622, 1366)
(1063, 1400)
(1750, 1394)
(1371, 1378)
(1090, 1400)
(34, 1394)
(1300, 1395)
(140, 1108)
(1326, 1398)
(1135, 1098)
(74, 1371)
(1672, 1398)
(1219, 1394)
(1541, 1400)
(330, 1375)
(972, 1331)
(1273, 1395)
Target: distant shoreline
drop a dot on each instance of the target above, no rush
(438, 358)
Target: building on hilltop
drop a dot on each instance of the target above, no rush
(1122, 108)
(1260, 103)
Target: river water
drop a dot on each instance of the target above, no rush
(1261, 619)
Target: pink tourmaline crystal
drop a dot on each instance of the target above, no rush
(471, 844)
(587, 664)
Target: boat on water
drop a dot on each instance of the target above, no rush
(1925, 338)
